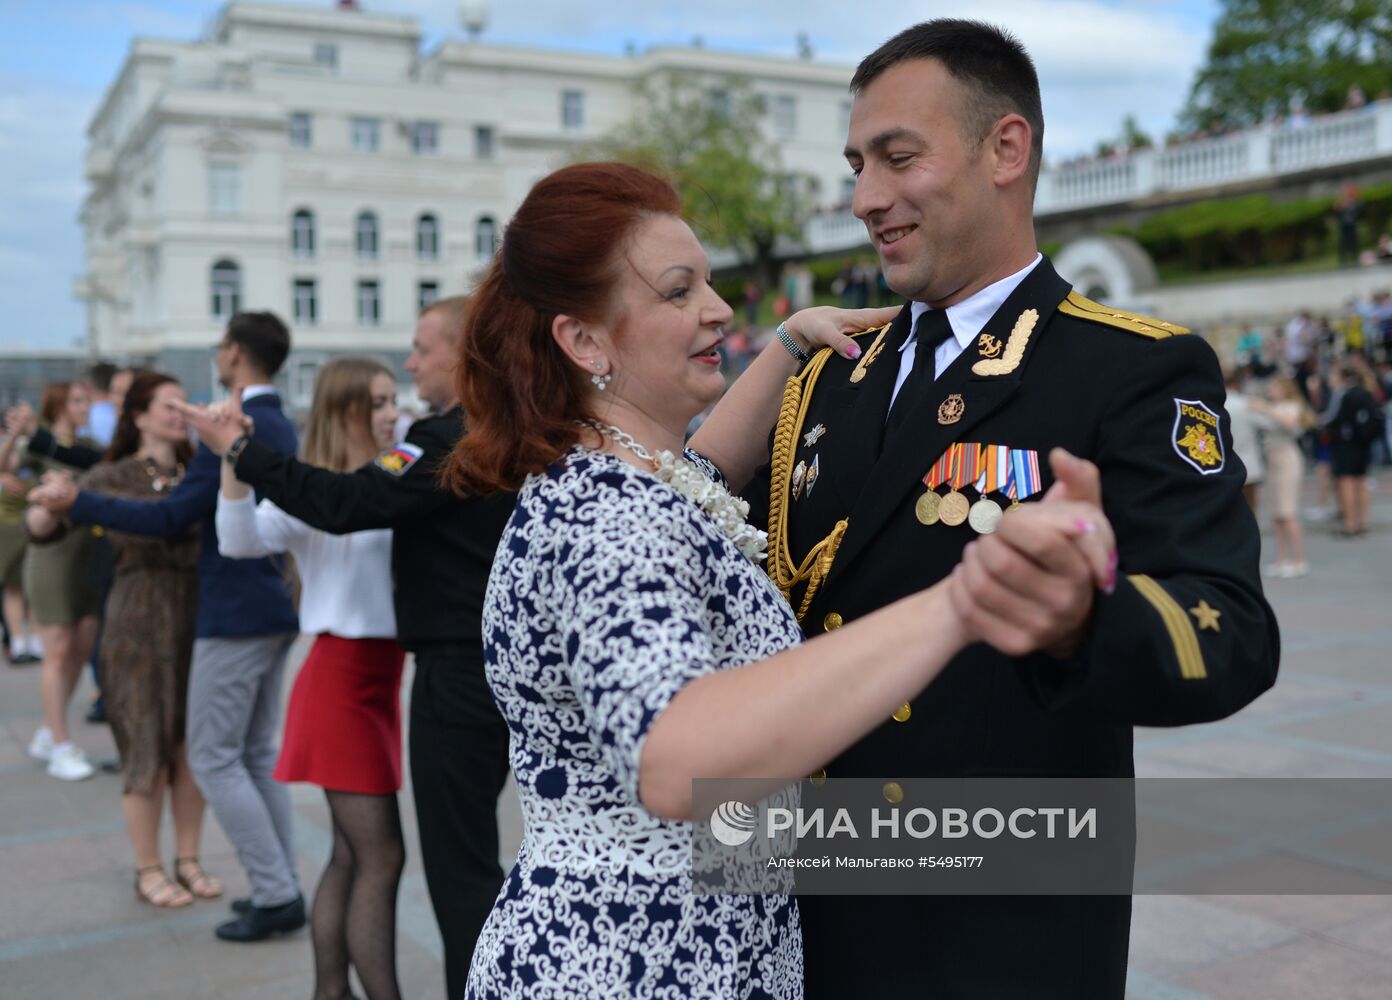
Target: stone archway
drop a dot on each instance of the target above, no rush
(1111, 269)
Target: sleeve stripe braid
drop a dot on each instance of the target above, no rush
(1177, 623)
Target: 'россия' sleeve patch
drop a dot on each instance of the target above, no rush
(1197, 436)
(399, 459)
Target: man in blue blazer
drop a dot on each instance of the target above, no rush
(246, 624)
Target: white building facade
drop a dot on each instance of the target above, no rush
(315, 162)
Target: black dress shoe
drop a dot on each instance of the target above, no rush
(242, 906)
(260, 922)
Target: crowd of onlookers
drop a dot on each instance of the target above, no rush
(1313, 392)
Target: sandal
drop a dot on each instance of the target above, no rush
(190, 874)
(164, 893)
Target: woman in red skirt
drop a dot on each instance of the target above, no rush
(343, 725)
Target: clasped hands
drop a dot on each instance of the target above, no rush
(1031, 585)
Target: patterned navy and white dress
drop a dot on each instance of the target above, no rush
(610, 591)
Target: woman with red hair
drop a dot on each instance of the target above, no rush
(628, 587)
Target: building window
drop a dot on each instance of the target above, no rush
(718, 102)
(302, 376)
(302, 233)
(427, 294)
(301, 129)
(572, 109)
(226, 290)
(484, 237)
(224, 188)
(367, 134)
(483, 142)
(369, 304)
(365, 235)
(845, 117)
(425, 138)
(326, 55)
(427, 237)
(305, 303)
(785, 115)
(847, 190)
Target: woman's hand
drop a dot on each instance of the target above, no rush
(56, 493)
(828, 326)
(218, 424)
(20, 419)
(1032, 584)
(40, 523)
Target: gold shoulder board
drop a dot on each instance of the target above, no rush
(1084, 308)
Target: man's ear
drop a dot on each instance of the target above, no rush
(1011, 142)
(582, 343)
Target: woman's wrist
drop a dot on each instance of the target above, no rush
(795, 345)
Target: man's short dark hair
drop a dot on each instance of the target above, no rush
(991, 64)
(264, 338)
(100, 374)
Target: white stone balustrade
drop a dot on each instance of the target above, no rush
(1267, 151)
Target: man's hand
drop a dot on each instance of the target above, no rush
(219, 424)
(1031, 584)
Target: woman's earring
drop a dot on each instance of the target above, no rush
(601, 381)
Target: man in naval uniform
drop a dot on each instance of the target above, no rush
(995, 349)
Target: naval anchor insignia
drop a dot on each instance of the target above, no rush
(989, 346)
(1014, 347)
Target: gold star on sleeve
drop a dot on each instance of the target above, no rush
(1206, 616)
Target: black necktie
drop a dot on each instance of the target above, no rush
(931, 330)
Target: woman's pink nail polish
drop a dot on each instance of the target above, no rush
(853, 351)
(1084, 527)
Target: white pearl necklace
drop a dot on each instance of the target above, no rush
(729, 512)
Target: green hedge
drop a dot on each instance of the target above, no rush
(1254, 231)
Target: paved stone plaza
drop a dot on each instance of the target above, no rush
(71, 928)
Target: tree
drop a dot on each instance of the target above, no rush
(1264, 53)
(707, 136)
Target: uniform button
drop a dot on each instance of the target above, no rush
(892, 792)
(902, 713)
(818, 777)
(832, 621)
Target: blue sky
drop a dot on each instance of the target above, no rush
(1098, 61)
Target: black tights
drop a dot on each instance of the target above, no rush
(354, 916)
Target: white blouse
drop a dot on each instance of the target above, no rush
(346, 580)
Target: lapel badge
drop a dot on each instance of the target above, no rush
(1014, 347)
(799, 475)
(1196, 437)
(952, 409)
(989, 346)
(814, 435)
(813, 471)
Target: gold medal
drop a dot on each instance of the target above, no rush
(1014, 505)
(799, 474)
(985, 515)
(953, 509)
(926, 510)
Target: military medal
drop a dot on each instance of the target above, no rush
(1023, 477)
(953, 508)
(814, 435)
(985, 514)
(868, 358)
(799, 474)
(813, 471)
(951, 409)
(926, 510)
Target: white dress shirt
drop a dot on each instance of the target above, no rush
(346, 580)
(967, 318)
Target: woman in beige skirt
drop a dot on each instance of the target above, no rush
(1289, 417)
